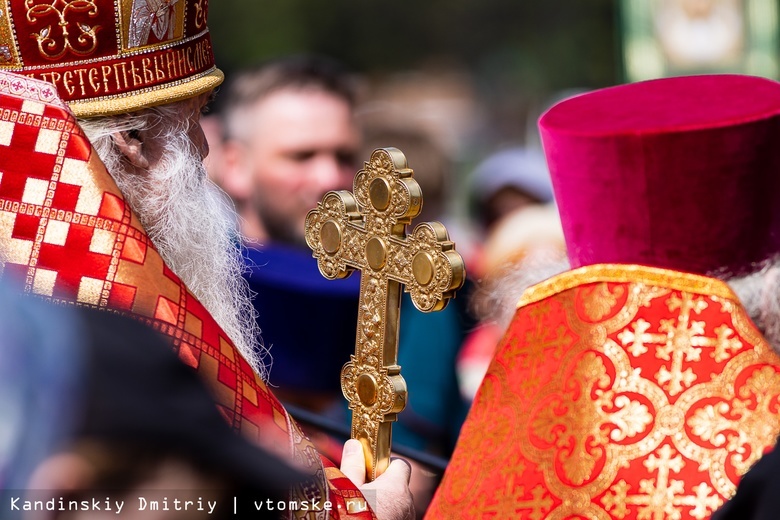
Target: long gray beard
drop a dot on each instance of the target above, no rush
(192, 224)
(496, 298)
(759, 293)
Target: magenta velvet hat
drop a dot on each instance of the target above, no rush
(681, 173)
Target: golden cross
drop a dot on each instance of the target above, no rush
(367, 232)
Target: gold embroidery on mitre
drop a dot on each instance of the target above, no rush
(184, 88)
(9, 51)
(62, 34)
(200, 14)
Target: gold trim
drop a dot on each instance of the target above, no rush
(8, 36)
(161, 95)
(627, 273)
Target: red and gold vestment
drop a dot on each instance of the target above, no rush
(619, 391)
(66, 234)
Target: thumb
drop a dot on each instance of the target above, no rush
(353, 462)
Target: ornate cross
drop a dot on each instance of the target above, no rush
(367, 231)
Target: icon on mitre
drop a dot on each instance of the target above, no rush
(155, 22)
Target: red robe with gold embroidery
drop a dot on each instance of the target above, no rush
(66, 234)
(618, 392)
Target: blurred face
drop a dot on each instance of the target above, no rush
(303, 144)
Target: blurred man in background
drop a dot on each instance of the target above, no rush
(290, 137)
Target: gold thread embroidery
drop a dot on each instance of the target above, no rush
(127, 54)
(579, 430)
(626, 273)
(575, 409)
(159, 95)
(9, 52)
(200, 15)
(86, 40)
(539, 503)
(662, 497)
(679, 341)
(599, 301)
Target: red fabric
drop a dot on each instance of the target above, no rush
(85, 49)
(678, 173)
(67, 235)
(616, 399)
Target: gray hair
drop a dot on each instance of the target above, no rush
(302, 72)
(188, 218)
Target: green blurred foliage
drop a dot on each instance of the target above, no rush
(519, 53)
(539, 46)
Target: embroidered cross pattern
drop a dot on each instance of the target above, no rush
(725, 424)
(535, 507)
(664, 496)
(679, 341)
(367, 232)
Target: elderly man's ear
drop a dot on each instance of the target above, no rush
(131, 146)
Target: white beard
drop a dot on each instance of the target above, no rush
(496, 298)
(759, 293)
(192, 224)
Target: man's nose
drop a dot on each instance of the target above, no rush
(199, 140)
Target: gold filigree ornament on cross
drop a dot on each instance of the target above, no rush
(367, 232)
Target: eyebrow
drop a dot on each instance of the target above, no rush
(205, 107)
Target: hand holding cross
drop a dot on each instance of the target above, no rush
(367, 232)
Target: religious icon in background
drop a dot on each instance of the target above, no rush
(681, 37)
(367, 232)
(693, 33)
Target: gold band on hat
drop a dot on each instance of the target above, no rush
(153, 96)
